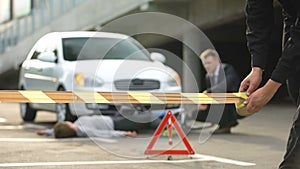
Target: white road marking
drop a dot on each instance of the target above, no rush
(27, 140)
(11, 127)
(222, 160)
(198, 158)
(2, 120)
(25, 126)
(56, 140)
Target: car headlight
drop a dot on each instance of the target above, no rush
(82, 80)
(174, 80)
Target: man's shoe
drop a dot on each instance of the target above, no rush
(225, 130)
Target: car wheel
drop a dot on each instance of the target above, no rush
(63, 111)
(27, 113)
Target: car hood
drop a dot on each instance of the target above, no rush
(111, 70)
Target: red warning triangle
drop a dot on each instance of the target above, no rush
(169, 120)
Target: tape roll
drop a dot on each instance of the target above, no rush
(241, 109)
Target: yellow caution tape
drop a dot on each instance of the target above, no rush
(27, 96)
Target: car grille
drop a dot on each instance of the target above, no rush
(137, 84)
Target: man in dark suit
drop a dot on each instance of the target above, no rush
(220, 78)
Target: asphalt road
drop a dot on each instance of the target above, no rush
(258, 142)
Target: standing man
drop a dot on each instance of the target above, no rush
(220, 78)
(260, 19)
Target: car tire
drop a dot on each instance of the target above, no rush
(63, 112)
(27, 113)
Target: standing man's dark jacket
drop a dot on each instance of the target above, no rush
(260, 20)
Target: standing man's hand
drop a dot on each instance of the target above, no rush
(252, 81)
(261, 96)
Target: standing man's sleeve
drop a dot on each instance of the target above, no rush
(289, 61)
(259, 21)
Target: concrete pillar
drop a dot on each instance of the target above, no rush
(193, 44)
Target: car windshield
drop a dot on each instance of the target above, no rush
(103, 48)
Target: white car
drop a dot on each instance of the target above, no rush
(93, 61)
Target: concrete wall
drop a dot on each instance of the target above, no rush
(212, 13)
(94, 14)
(87, 15)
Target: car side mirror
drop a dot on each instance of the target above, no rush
(158, 57)
(47, 57)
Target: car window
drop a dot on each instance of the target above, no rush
(39, 48)
(103, 48)
(35, 55)
(45, 44)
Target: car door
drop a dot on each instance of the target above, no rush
(38, 73)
